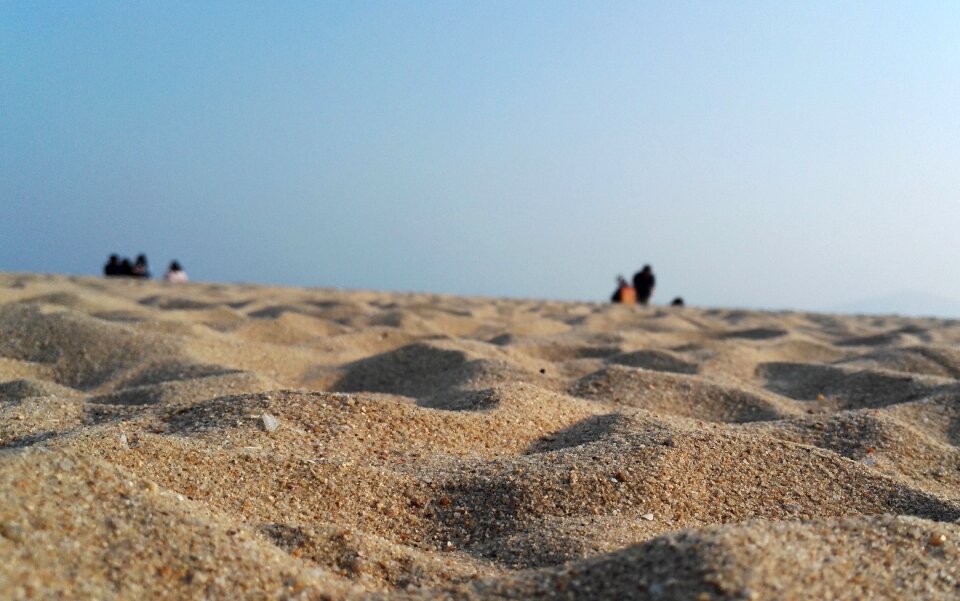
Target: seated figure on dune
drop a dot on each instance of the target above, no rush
(624, 293)
(112, 267)
(643, 283)
(175, 274)
(140, 267)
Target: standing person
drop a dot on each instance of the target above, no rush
(140, 267)
(644, 282)
(624, 293)
(175, 274)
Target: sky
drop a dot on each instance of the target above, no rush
(781, 155)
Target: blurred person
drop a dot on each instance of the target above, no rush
(624, 293)
(112, 267)
(644, 283)
(140, 269)
(175, 274)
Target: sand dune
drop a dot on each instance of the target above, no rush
(236, 441)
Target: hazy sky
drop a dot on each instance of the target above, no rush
(758, 154)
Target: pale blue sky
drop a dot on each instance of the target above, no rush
(758, 154)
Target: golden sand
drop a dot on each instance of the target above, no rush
(243, 442)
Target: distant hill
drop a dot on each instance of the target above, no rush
(908, 302)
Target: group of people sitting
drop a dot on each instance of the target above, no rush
(138, 269)
(642, 289)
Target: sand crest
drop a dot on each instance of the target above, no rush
(236, 441)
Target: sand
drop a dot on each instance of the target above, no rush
(209, 441)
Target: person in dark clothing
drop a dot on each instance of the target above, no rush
(644, 282)
(126, 268)
(140, 267)
(113, 266)
(677, 302)
(624, 293)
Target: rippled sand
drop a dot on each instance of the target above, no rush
(235, 441)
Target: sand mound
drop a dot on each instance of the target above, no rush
(881, 441)
(235, 441)
(118, 550)
(84, 352)
(937, 416)
(288, 328)
(166, 371)
(921, 360)
(686, 396)
(435, 368)
(656, 361)
(17, 390)
(427, 321)
(848, 387)
(755, 334)
(856, 558)
(174, 303)
(562, 348)
(179, 391)
(344, 313)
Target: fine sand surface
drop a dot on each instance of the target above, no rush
(243, 442)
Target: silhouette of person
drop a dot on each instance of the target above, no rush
(175, 274)
(677, 302)
(126, 268)
(644, 282)
(624, 293)
(113, 266)
(140, 267)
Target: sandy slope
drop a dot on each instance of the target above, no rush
(231, 441)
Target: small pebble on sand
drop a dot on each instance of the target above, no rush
(270, 423)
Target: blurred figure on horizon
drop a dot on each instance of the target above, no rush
(677, 302)
(624, 294)
(644, 283)
(140, 269)
(112, 267)
(175, 274)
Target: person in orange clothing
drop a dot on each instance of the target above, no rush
(625, 293)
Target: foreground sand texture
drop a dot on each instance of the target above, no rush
(245, 442)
